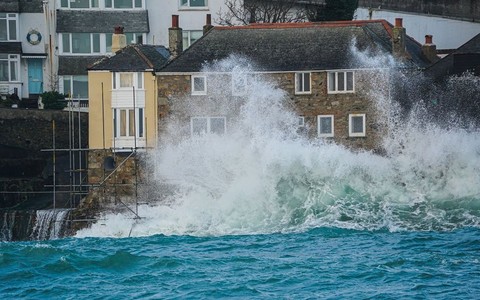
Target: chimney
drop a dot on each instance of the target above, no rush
(399, 35)
(429, 49)
(119, 40)
(208, 24)
(175, 39)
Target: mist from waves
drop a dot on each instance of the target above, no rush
(263, 177)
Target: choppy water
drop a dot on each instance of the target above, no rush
(325, 263)
(262, 212)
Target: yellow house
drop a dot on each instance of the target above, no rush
(123, 98)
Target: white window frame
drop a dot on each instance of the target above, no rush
(7, 18)
(139, 126)
(350, 125)
(300, 78)
(301, 121)
(138, 80)
(101, 40)
(335, 75)
(208, 119)
(70, 78)
(13, 61)
(319, 124)
(199, 92)
(90, 6)
(133, 5)
(185, 4)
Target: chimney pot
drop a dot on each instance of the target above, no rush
(118, 29)
(175, 21)
(428, 39)
(209, 19)
(398, 22)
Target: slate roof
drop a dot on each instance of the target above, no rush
(134, 58)
(294, 46)
(11, 47)
(100, 21)
(75, 65)
(9, 6)
(465, 57)
(31, 6)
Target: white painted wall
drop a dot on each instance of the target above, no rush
(160, 17)
(447, 33)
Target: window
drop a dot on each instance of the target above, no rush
(80, 43)
(9, 67)
(127, 80)
(8, 27)
(76, 86)
(79, 3)
(132, 38)
(127, 121)
(301, 121)
(302, 83)
(239, 84)
(356, 125)
(190, 36)
(123, 3)
(204, 125)
(199, 85)
(341, 82)
(325, 125)
(193, 3)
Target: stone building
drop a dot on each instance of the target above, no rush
(315, 63)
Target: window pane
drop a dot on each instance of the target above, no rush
(349, 81)
(4, 70)
(115, 127)
(80, 4)
(341, 81)
(140, 80)
(108, 37)
(199, 125)
(66, 42)
(94, 3)
(138, 3)
(12, 29)
(140, 122)
(199, 84)
(357, 124)
(108, 3)
(13, 71)
(306, 82)
(184, 2)
(299, 82)
(217, 125)
(325, 125)
(197, 3)
(123, 3)
(123, 122)
(64, 3)
(67, 86)
(131, 122)
(195, 35)
(81, 43)
(80, 87)
(96, 42)
(126, 80)
(331, 82)
(3, 29)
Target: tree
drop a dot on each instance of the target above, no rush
(332, 10)
(261, 11)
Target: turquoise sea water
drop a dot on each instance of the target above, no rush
(321, 263)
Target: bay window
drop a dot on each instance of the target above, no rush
(127, 80)
(128, 122)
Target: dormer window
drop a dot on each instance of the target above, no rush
(193, 3)
(341, 82)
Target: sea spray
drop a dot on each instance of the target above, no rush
(262, 176)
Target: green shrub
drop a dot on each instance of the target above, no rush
(53, 100)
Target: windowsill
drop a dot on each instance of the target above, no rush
(101, 8)
(357, 135)
(326, 136)
(202, 8)
(341, 92)
(303, 93)
(199, 94)
(128, 89)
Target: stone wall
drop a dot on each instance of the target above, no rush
(178, 106)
